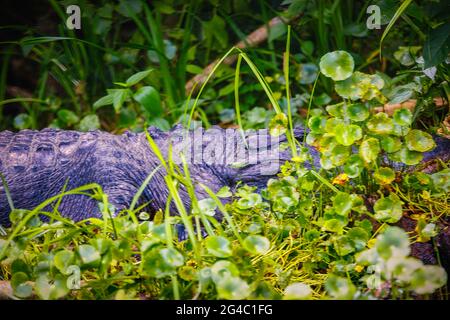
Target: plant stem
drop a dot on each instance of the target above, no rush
(288, 92)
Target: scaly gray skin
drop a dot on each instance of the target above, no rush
(37, 165)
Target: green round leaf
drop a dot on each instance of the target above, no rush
(402, 93)
(338, 155)
(417, 140)
(307, 47)
(343, 245)
(63, 259)
(381, 124)
(353, 166)
(400, 131)
(405, 55)
(343, 203)
(391, 144)
(360, 86)
(315, 112)
(327, 142)
(312, 138)
(334, 225)
(170, 49)
(359, 236)
(406, 156)
(256, 244)
(284, 203)
(22, 121)
(369, 150)
(430, 230)
(428, 278)
(223, 269)
(19, 265)
(403, 269)
(336, 110)
(89, 255)
(384, 175)
(122, 248)
(326, 163)
(332, 124)
(317, 124)
(441, 180)
(102, 245)
(232, 288)
(347, 134)
(393, 242)
(367, 257)
(297, 291)
(129, 8)
(218, 246)
(21, 288)
(160, 263)
(418, 181)
(357, 112)
(337, 65)
(349, 88)
(51, 289)
(249, 201)
(340, 288)
(172, 257)
(224, 192)
(256, 115)
(322, 99)
(388, 209)
(403, 117)
(207, 206)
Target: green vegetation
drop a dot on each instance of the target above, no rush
(293, 242)
(311, 234)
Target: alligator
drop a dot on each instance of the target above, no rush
(37, 165)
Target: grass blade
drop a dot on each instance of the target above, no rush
(38, 210)
(236, 99)
(141, 190)
(397, 15)
(288, 92)
(8, 194)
